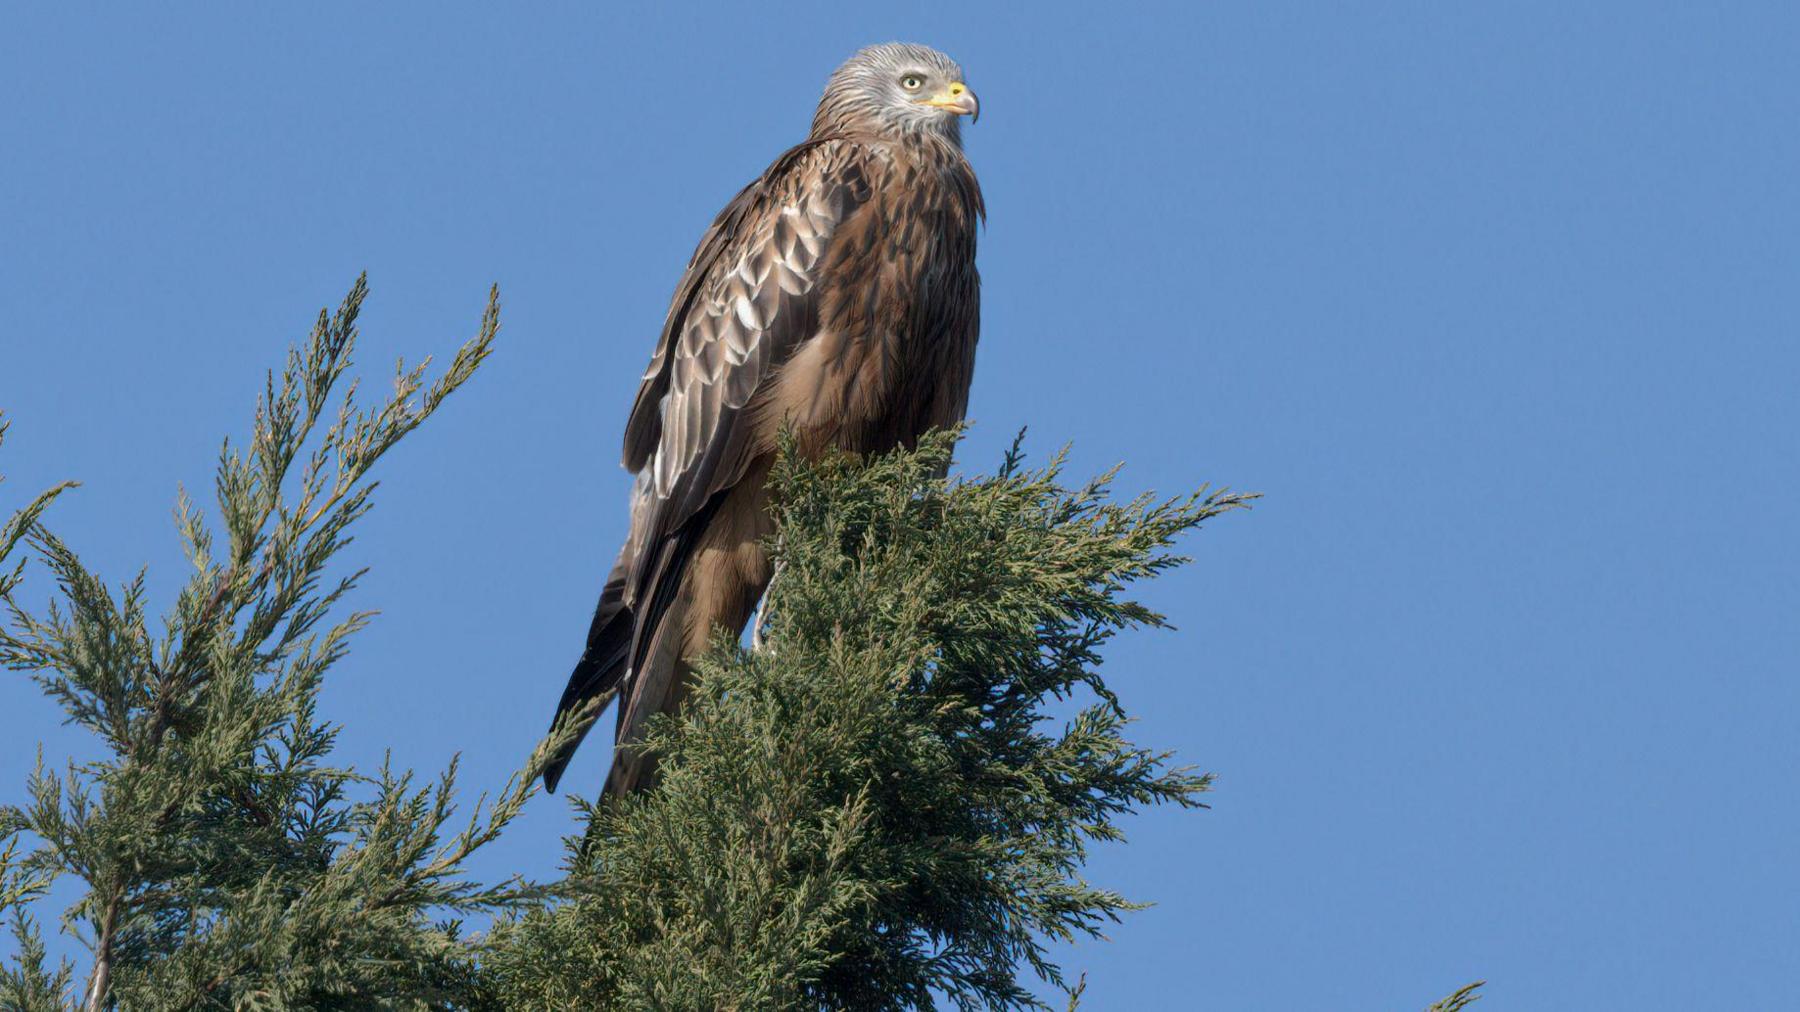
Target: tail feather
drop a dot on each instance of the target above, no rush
(621, 643)
(655, 688)
(653, 653)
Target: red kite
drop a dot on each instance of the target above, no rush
(835, 295)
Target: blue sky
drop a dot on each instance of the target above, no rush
(1494, 302)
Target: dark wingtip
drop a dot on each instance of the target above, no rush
(553, 774)
(573, 701)
(596, 677)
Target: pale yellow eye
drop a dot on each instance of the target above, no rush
(912, 82)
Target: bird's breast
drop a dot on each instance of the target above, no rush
(895, 319)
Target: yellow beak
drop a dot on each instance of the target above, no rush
(958, 99)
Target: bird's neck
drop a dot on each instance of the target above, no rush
(829, 125)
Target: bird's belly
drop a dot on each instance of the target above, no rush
(847, 393)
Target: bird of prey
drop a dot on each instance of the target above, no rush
(835, 296)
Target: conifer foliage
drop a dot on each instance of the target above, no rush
(873, 806)
(885, 803)
(224, 861)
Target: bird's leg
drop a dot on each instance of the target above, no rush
(762, 607)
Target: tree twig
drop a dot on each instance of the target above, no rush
(101, 979)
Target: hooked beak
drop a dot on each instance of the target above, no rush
(958, 99)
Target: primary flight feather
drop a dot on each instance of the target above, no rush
(837, 296)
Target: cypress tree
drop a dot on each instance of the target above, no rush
(884, 803)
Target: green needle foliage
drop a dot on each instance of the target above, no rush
(885, 804)
(873, 808)
(1459, 999)
(224, 862)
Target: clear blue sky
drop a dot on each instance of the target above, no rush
(1495, 302)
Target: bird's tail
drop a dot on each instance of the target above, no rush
(597, 674)
(637, 648)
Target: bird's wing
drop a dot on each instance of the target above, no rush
(748, 299)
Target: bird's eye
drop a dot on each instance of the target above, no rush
(912, 82)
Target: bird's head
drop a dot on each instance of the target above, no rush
(896, 88)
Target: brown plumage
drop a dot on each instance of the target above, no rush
(837, 294)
